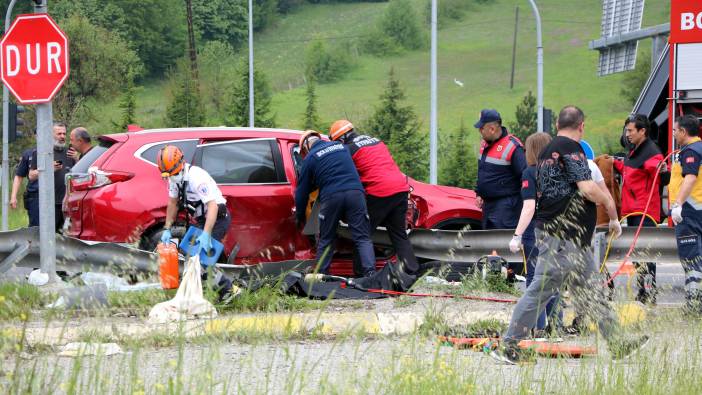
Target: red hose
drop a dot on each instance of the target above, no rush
(638, 230)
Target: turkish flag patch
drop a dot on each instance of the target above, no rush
(525, 184)
(690, 159)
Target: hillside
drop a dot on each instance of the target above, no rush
(475, 50)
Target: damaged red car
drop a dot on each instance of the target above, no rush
(115, 194)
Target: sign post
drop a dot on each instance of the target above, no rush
(34, 59)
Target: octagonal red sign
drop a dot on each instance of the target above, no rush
(34, 58)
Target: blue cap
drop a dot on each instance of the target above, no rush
(487, 116)
(589, 152)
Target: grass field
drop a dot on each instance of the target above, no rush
(475, 50)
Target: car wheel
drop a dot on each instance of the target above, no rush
(150, 240)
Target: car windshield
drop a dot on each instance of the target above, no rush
(90, 157)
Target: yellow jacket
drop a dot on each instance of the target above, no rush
(676, 178)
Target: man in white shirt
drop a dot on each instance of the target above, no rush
(201, 197)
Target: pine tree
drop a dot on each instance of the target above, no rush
(398, 127)
(185, 108)
(460, 165)
(311, 119)
(526, 118)
(238, 113)
(128, 106)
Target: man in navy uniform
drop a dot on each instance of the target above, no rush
(500, 168)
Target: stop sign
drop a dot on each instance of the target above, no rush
(34, 58)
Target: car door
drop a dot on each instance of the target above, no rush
(252, 178)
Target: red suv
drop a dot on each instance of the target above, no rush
(116, 194)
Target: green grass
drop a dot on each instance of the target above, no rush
(18, 300)
(475, 50)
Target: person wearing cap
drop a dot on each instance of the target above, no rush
(328, 166)
(500, 168)
(638, 169)
(386, 189)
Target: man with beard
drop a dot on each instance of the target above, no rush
(27, 168)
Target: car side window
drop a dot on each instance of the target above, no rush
(187, 146)
(240, 162)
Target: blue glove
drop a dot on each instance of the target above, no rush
(166, 236)
(204, 242)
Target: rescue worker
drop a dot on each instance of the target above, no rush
(386, 189)
(197, 191)
(686, 209)
(500, 168)
(638, 170)
(328, 166)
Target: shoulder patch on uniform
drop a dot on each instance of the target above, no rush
(203, 189)
(690, 159)
(525, 184)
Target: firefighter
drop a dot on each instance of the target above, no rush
(386, 189)
(329, 167)
(686, 211)
(197, 191)
(638, 170)
(500, 168)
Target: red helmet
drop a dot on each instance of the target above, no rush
(170, 161)
(340, 128)
(304, 140)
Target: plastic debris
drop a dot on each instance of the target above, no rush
(37, 278)
(188, 302)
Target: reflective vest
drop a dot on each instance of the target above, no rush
(497, 177)
(676, 178)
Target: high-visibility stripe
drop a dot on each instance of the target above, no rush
(507, 150)
(496, 161)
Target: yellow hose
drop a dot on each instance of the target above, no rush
(611, 237)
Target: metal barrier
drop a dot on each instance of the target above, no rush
(653, 245)
(21, 248)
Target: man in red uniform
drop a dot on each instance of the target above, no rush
(638, 170)
(386, 188)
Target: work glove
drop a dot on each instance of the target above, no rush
(166, 236)
(515, 244)
(204, 242)
(676, 214)
(615, 228)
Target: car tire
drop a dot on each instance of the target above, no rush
(150, 241)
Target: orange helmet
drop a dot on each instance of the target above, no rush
(304, 143)
(339, 128)
(170, 161)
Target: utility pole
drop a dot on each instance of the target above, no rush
(433, 127)
(5, 137)
(45, 165)
(191, 39)
(251, 67)
(539, 70)
(514, 47)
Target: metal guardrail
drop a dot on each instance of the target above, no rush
(21, 248)
(653, 245)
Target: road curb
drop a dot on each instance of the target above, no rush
(274, 324)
